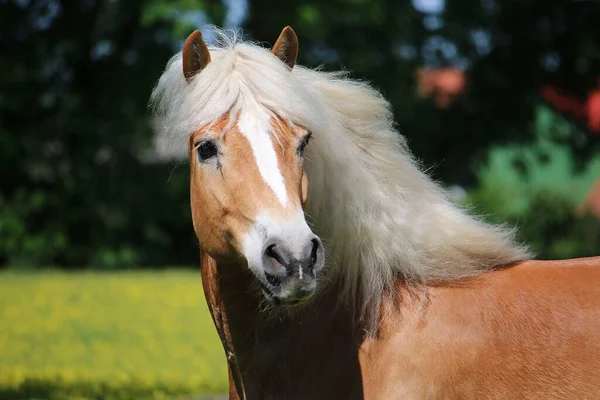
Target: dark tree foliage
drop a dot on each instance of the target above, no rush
(75, 78)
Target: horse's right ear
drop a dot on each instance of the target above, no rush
(195, 55)
(286, 46)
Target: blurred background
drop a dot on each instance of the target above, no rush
(99, 289)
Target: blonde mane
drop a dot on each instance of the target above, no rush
(380, 216)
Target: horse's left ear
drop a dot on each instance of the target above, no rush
(195, 55)
(286, 46)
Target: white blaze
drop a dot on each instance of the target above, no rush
(256, 130)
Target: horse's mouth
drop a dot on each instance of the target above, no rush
(277, 301)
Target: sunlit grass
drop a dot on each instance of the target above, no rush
(129, 335)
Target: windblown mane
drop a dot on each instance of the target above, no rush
(379, 215)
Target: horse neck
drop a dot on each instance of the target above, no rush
(308, 350)
(230, 307)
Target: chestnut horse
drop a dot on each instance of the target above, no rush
(403, 294)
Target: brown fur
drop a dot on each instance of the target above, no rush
(286, 47)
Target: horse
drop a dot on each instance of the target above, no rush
(335, 267)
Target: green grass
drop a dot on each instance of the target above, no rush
(128, 335)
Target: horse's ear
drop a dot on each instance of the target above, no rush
(286, 46)
(195, 55)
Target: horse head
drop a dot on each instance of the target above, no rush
(249, 187)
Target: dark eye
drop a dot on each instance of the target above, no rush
(303, 143)
(207, 150)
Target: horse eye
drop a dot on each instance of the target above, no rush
(207, 150)
(303, 143)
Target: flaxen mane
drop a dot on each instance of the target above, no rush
(380, 216)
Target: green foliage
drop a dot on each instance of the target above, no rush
(129, 335)
(77, 188)
(554, 231)
(59, 388)
(20, 246)
(183, 16)
(538, 189)
(549, 224)
(514, 173)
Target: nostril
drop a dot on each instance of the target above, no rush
(279, 260)
(272, 252)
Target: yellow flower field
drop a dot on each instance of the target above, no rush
(127, 335)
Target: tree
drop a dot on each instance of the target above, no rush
(75, 78)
